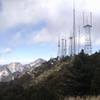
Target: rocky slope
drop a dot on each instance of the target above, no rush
(14, 70)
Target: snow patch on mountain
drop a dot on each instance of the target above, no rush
(12, 70)
(14, 67)
(37, 63)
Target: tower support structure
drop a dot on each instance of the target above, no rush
(70, 46)
(74, 30)
(87, 25)
(62, 47)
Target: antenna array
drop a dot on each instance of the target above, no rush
(87, 25)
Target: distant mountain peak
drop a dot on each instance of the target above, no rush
(14, 69)
(15, 66)
(37, 62)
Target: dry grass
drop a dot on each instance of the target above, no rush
(83, 98)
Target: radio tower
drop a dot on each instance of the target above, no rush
(74, 31)
(65, 48)
(58, 47)
(62, 47)
(87, 25)
(70, 48)
(79, 40)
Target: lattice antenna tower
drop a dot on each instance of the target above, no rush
(65, 47)
(70, 46)
(74, 30)
(59, 46)
(62, 47)
(79, 33)
(87, 25)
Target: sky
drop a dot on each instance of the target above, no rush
(29, 29)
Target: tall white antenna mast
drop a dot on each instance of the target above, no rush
(79, 40)
(74, 29)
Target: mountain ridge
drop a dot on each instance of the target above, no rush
(15, 69)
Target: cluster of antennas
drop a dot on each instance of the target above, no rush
(62, 47)
(75, 44)
(87, 25)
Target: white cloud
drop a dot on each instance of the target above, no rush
(42, 37)
(16, 39)
(31, 11)
(2, 61)
(57, 14)
(97, 42)
(25, 11)
(7, 51)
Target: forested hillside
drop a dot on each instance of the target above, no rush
(55, 80)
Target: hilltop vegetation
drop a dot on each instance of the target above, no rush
(54, 80)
